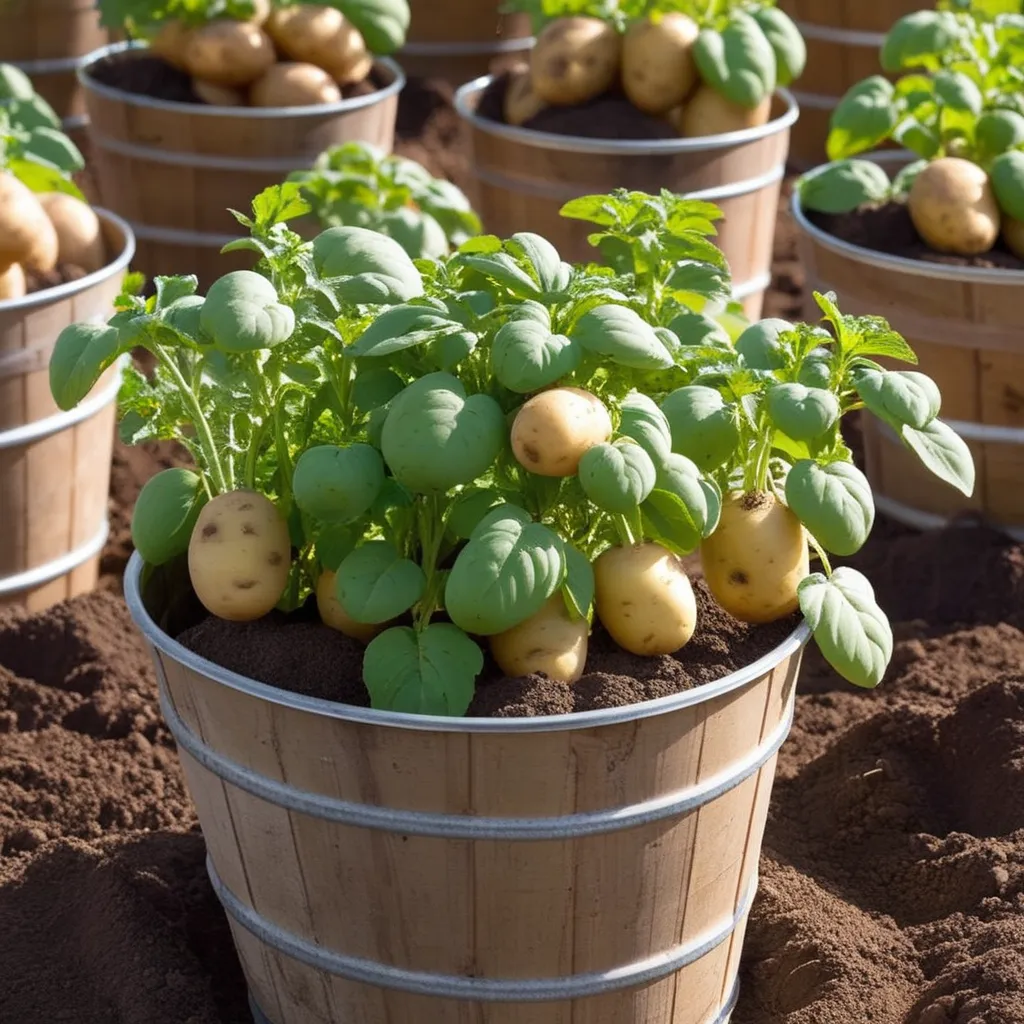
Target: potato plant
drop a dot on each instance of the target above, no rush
(491, 447)
(357, 184)
(709, 68)
(959, 106)
(265, 53)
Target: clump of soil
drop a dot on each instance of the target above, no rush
(887, 228)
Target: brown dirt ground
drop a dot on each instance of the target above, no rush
(892, 881)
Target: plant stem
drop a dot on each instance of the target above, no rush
(625, 532)
(284, 458)
(431, 529)
(820, 551)
(252, 455)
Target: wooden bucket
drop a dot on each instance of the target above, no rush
(965, 325)
(843, 41)
(48, 39)
(380, 867)
(173, 170)
(54, 465)
(459, 40)
(524, 177)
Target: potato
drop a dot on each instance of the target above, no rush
(755, 559)
(658, 69)
(313, 34)
(554, 429)
(261, 11)
(549, 642)
(954, 208)
(708, 112)
(171, 43)
(294, 85)
(574, 60)
(347, 58)
(239, 556)
(1013, 236)
(233, 53)
(26, 234)
(79, 232)
(218, 95)
(644, 599)
(521, 102)
(332, 614)
(12, 283)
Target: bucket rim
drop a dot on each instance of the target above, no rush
(167, 645)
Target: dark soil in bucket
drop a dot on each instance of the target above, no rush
(888, 228)
(63, 273)
(892, 880)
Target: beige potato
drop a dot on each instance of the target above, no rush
(658, 69)
(644, 599)
(12, 283)
(232, 53)
(521, 102)
(954, 208)
(552, 430)
(261, 12)
(171, 43)
(346, 57)
(294, 85)
(26, 234)
(239, 556)
(314, 34)
(79, 232)
(332, 614)
(756, 558)
(574, 60)
(708, 112)
(1013, 236)
(218, 95)
(549, 642)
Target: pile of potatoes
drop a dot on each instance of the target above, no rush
(580, 58)
(297, 56)
(40, 230)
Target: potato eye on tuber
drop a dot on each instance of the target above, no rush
(554, 429)
(549, 642)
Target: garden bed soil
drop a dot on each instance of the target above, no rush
(892, 880)
(887, 228)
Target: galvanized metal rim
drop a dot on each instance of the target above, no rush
(754, 286)
(494, 990)
(175, 236)
(613, 147)
(440, 723)
(36, 577)
(849, 36)
(466, 49)
(399, 821)
(921, 520)
(253, 113)
(38, 430)
(816, 101)
(65, 291)
(915, 268)
(75, 122)
(48, 65)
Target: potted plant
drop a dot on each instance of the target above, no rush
(357, 184)
(683, 96)
(60, 261)
(403, 465)
(227, 98)
(937, 245)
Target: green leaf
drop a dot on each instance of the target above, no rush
(738, 62)
(943, 453)
(996, 132)
(619, 334)
(643, 422)
(278, 204)
(919, 40)
(49, 146)
(701, 503)
(542, 256)
(42, 177)
(82, 354)
(469, 509)
(843, 186)
(435, 438)
(335, 484)
(802, 413)
(667, 520)
(505, 574)
(526, 356)
(864, 117)
(165, 514)
(786, 42)
(761, 347)
(242, 313)
(899, 397)
(402, 327)
(375, 584)
(904, 181)
(335, 542)
(504, 270)
(617, 477)
(382, 23)
(15, 84)
(704, 427)
(366, 267)
(432, 672)
(578, 587)
(697, 330)
(834, 502)
(375, 386)
(1007, 174)
(851, 631)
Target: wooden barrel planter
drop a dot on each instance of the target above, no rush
(173, 170)
(54, 465)
(459, 40)
(48, 40)
(965, 325)
(843, 41)
(523, 178)
(381, 867)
